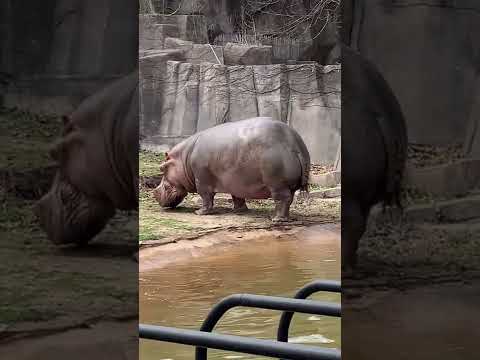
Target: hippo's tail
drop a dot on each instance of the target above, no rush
(305, 166)
(396, 150)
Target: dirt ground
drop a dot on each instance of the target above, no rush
(431, 322)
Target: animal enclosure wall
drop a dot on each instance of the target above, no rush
(433, 64)
(55, 67)
(179, 99)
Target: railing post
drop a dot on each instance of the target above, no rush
(303, 293)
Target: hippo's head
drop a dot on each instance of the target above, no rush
(65, 213)
(69, 216)
(168, 195)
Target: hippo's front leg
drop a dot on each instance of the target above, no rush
(207, 203)
(239, 204)
(283, 199)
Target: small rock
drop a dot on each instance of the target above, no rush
(333, 193)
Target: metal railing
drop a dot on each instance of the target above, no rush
(237, 343)
(303, 293)
(204, 339)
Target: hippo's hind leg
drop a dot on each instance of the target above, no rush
(283, 199)
(239, 204)
(353, 226)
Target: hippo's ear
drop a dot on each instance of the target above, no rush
(56, 150)
(166, 156)
(165, 164)
(59, 149)
(67, 124)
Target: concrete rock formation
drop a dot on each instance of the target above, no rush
(196, 53)
(438, 81)
(188, 85)
(240, 54)
(155, 28)
(58, 57)
(192, 97)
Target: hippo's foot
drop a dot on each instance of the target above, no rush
(280, 219)
(204, 211)
(239, 205)
(240, 209)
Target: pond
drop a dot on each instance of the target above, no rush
(182, 294)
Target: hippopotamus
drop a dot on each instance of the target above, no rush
(374, 148)
(256, 158)
(97, 158)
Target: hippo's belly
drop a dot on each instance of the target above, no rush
(241, 186)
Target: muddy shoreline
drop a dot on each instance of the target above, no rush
(156, 257)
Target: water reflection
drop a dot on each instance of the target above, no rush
(181, 295)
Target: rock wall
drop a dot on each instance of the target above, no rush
(183, 98)
(86, 44)
(431, 57)
(154, 29)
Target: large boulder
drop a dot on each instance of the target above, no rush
(239, 54)
(196, 53)
(155, 28)
(152, 36)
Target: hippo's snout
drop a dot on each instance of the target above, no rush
(46, 218)
(168, 196)
(68, 216)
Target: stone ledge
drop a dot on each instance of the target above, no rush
(327, 180)
(447, 180)
(446, 212)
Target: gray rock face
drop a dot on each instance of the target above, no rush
(237, 54)
(152, 34)
(152, 80)
(75, 54)
(176, 43)
(180, 7)
(454, 179)
(155, 28)
(438, 83)
(196, 53)
(194, 97)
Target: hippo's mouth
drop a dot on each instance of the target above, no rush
(67, 216)
(169, 196)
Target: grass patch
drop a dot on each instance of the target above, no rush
(149, 163)
(152, 223)
(26, 137)
(42, 282)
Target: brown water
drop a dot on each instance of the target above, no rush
(181, 295)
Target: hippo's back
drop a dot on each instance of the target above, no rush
(256, 150)
(256, 130)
